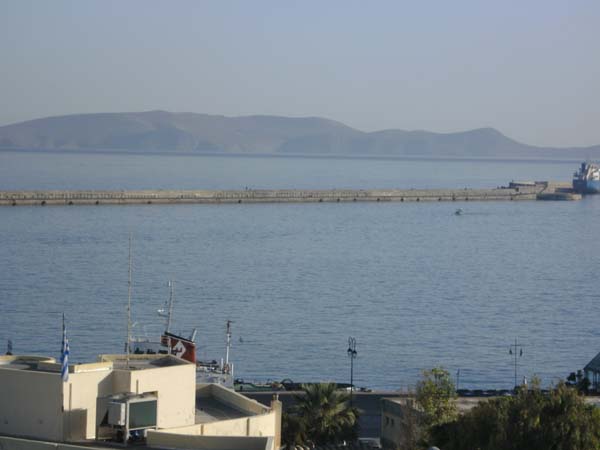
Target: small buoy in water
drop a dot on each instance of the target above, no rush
(241, 340)
(458, 212)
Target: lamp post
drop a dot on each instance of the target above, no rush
(457, 380)
(518, 352)
(351, 355)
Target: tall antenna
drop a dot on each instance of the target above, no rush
(229, 322)
(171, 298)
(129, 305)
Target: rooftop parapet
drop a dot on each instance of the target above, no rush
(141, 362)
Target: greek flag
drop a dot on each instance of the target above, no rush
(64, 354)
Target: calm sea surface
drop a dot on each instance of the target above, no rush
(415, 284)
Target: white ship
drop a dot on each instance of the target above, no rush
(219, 372)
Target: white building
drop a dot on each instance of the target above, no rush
(148, 395)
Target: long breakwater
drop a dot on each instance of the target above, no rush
(101, 197)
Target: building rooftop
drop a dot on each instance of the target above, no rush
(211, 409)
(105, 362)
(141, 362)
(594, 364)
(215, 403)
(23, 362)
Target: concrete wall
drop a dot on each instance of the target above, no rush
(261, 196)
(261, 420)
(267, 424)
(31, 404)
(10, 443)
(231, 398)
(257, 426)
(176, 388)
(233, 427)
(80, 400)
(159, 439)
(169, 440)
(38, 404)
(398, 422)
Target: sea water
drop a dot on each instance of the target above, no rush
(415, 284)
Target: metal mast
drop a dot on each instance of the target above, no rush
(171, 298)
(229, 322)
(129, 306)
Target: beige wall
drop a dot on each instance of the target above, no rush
(233, 427)
(80, 400)
(9, 443)
(176, 388)
(261, 421)
(231, 398)
(190, 442)
(121, 381)
(262, 426)
(40, 405)
(398, 422)
(258, 426)
(31, 404)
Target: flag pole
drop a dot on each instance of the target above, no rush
(64, 353)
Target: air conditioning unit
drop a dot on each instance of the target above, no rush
(130, 415)
(117, 415)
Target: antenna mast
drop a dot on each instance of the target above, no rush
(229, 322)
(171, 298)
(129, 306)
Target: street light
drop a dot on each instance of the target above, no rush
(457, 380)
(351, 354)
(518, 352)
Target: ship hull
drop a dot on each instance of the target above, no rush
(586, 186)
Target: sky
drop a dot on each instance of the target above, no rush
(530, 69)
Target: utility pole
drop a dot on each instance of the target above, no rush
(352, 355)
(517, 350)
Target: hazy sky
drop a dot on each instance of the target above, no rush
(529, 68)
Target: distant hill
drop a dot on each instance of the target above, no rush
(163, 131)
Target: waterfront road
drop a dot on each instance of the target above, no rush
(369, 404)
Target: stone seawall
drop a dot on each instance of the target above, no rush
(15, 198)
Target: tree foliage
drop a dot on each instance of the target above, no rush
(531, 420)
(322, 415)
(436, 396)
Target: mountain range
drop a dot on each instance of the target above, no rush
(162, 131)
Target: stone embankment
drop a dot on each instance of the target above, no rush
(15, 198)
(558, 191)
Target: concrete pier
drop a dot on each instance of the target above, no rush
(16, 198)
(558, 191)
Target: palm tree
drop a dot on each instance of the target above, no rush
(321, 415)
